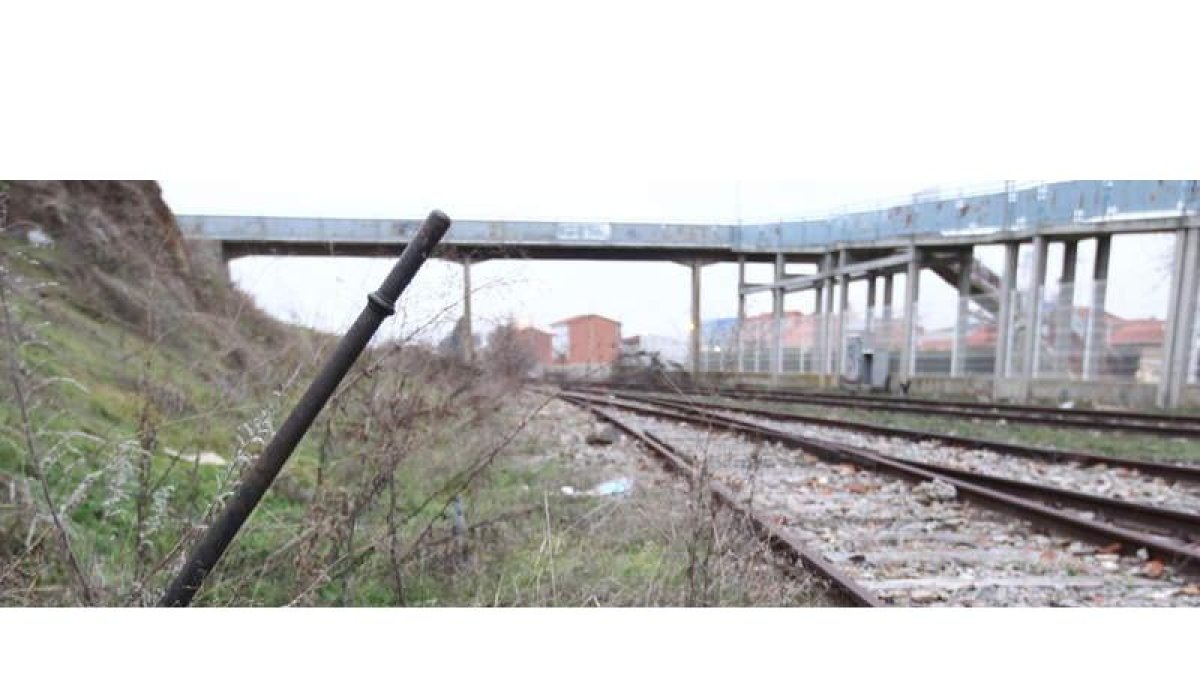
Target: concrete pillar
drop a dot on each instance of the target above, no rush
(827, 325)
(958, 353)
(1168, 348)
(912, 294)
(1033, 316)
(1065, 307)
(695, 347)
(1004, 322)
(818, 347)
(777, 317)
(888, 292)
(739, 350)
(843, 318)
(869, 319)
(1181, 317)
(1095, 338)
(1180, 254)
(468, 346)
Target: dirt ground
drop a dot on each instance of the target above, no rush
(656, 540)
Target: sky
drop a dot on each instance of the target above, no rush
(678, 111)
(646, 297)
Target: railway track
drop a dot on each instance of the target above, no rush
(880, 521)
(1085, 413)
(1171, 508)
(780, 540)
(1163, 424)
(1165, 470)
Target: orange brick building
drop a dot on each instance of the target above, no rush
(588, 338)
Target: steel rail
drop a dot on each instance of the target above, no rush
(1130, 541)
(1147, 467)
(1047, 417)
(778, 539)
(1133, 417)
(1136, 415)
(1181, 524)
(1102, 420)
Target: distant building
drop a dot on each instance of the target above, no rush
(666, 349)
(537, 342)
(799, 331)
(1128, 348)
(1136, 348)
(586, 339)
(719, 331)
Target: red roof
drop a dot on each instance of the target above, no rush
(582, 317)
(983, 336)
(1138, 332)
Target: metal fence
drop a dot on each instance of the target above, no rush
(1073, 341)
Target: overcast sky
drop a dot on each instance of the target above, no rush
(648, 298)
(546, 110)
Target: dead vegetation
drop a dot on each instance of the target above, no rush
(139, 385)
(660, 543)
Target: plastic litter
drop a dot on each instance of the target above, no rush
(609, 488)
(39, 238)
(612, 487)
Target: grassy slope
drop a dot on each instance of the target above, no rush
(90, 384)
(108, 385)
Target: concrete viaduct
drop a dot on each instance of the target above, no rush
(872, 245)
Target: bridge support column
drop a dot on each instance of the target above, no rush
(817, 359)
(695, 335)
(958, 351)
(739, 350)
(1181, 318)
(1004, 322)
(777, 318)
(843, 322)
(827, 324)
(1095, 337)
(889, 290)
(1033, 318)
(912, 294)
(468, 336)
(1064, 308)
(869, 318)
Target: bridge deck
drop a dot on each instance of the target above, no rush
(1068, 209)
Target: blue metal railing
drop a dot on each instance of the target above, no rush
(1020, 207)
(971, 211)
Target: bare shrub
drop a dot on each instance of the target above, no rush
(507, 355)
(425, 481)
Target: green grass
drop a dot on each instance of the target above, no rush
(83, 379)
(94, 378)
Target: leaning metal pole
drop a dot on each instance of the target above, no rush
(380, 305)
